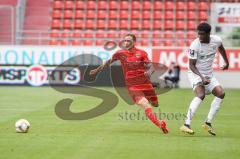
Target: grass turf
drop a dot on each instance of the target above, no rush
(123, 132)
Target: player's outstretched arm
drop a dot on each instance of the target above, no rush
(222, 51)
(192, 66)
(106, 64)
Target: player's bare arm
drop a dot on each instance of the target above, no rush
(222, 51)
(192, 66)
(106, 64)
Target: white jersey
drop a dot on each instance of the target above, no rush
(204, 53)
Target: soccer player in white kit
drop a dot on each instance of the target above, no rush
(200, 74)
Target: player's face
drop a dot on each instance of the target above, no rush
(203, 36)
(128, 42)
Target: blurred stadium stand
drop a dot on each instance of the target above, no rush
(92, 22)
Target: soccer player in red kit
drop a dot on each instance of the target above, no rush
(135, 66)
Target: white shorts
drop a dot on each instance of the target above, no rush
(195, 80)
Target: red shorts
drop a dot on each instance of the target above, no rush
(144, 90)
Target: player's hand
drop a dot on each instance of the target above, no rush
(93, 73)
(224, 67)
(206, 80)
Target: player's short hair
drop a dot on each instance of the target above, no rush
(133, 37)
(204, 27)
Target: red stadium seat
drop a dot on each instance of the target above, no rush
(169, 5)
(66, 33)
(67, 24)
(157, 24)
(89, 24)
(102, 4)
(102, 14)
(147, 5)
(100, 42)
(80, 5)
(113, 14)
(191, 25)
(158, 5)
(68, 5)
(78, 24)
(56, 14)
(79, 14)
(157, 14)
(91, 4)
(88, 42)
(101, 24)
(113, 4)
(157, 42)
(55, 33)
(157, 34)
(135, 24)
(191, 35)
(203, 6)
(124, 14)
(180, 15)
(54, 42)
(191, 5)
(58, 5)
(65, 42)
(180, 5)
(180, 24)
(168, 34)
(100, 34)
(145, 42)
(192, 15)
(112, 24)
(124, 24)
(203, 15)
(179, 34)
(168, 43)
(146, 24)
(77, 33)
(168, 24)
(68, 14)
(124, 4)
(90, 14)
(56, 24)
(146, 14)
(135, 14)
(169, 15)
(180, 43)
(77, 43)
(136, 4)
(111, 34)
(145, 34)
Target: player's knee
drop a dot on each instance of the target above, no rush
(222, 95)
(201, 95)
(142, 101)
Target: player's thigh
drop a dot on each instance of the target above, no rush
(200, 91)
(197, 85)
(142, 102)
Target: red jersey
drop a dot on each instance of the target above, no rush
(133, 66)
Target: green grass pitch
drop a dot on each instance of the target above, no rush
(113, 135)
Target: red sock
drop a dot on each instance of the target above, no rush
(152, 116)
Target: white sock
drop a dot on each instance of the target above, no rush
(192, 109)
(214, 108)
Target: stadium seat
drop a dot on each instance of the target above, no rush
(56, 14)
(169, 5)
(88, 42)
(192, 15)
(77, 33)
(102, 4)
(168, 35)
(203, 6)
(100, 34)
(203, 15)
(180, 34)
(157, 14)
(91, 4)
(58, 5)
(135, 14)
(67, 24)
(79, 14)
(101, 24)
(78, 24)
(69, 5)
(113, 24)
(80, 5)
(145, 43)
(124, 4)
(136, 4)
(68, 14)
(76, 42)
(89, 24)
(65, 42)
(102, 14)
(168, 25)
(158, 5)
(146, 24)
(146, 14)
(191, 25)
(111, 34)
(147, 5)
(66, 33)
(113, 14)
(90, 14)
(168, 43)
(123, 24)
(124, 14)
(157, 24)
(156, 42)
(180, 5)
(157, 34)
(191, 5)
(145, 34)
(54, 42)
(180, 25)
(100, 42)
(168, 15)
(55, 33)
(56, 24)
(113, 4)
(180, 43)
(191, 35)
(180, 15)
(135, 24)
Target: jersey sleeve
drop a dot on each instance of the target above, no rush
(145, 57)
(218, 41)
(193, 50)
(116, 56)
